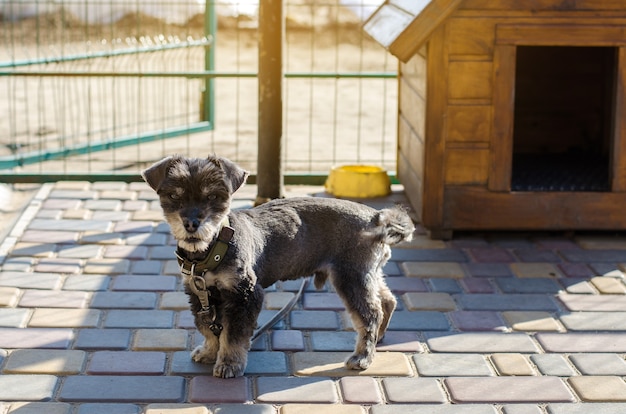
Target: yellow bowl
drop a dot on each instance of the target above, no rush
(358, 181)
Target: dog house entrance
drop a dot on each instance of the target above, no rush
(563, 118)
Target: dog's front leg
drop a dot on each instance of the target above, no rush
(234, 342)
(207, 352)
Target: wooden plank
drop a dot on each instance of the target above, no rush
(503, 114)
(560, 35)
(470, 80)
(414, 73)
(466, 166)
(437, 67)
(422, 27)
(468, 123)
(471, 36)
(619, 134)
(387, 23)
(537, 5)
(472, 208)
(413, 107)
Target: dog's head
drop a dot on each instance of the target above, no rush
(195, 194)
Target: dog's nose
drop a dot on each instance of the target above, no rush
(191, 224)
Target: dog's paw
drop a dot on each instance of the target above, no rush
(228, 370)
(202, 355)
(359, 362)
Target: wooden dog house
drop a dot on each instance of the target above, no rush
(511, 113)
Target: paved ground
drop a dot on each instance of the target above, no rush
(92, 320)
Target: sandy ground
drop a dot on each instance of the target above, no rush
(326, 121)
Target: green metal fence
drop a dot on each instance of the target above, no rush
(98, 90)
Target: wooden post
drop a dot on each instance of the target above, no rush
(269, 160)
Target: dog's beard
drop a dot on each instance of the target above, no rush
(192, 242)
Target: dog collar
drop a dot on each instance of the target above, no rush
(213, 258)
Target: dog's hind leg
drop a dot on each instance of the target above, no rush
(361, 297)
(388, 304)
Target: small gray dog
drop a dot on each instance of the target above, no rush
(228, 257)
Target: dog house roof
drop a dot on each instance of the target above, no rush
(402, 26)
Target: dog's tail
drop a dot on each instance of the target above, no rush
(394, 226)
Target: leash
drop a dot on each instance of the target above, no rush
(194, 273)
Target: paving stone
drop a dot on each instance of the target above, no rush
(111, 339)
(136, 226)
(419, 321)
(64, 318)
(266, 363)
(440, 284)
(534, 285)
(332, 341)
(595, 321)
(609, 285)
(296, 390)
(480, 342)
(99, 237)
(536, 255)
(491, 255)
(174, 301)
(331, 364)
(160, 340)
(126, 363)
(81, 251)
(451, 365)
(60, 204)
(434, 409)
(87, 282)
(55, 237)
(531, 321)
(477, 321)
(594, 256)
(27, 280)
(586, 408)
(19, 264)
(176, 408)
(276, 300)
(58, 265)
(124, 300)
(311, 319)
(553, 364)
(182, 364)
(69, 225)
(601, 242)
(433, 269)
(521, 409)
(146, 239)
(45, 361)
(79, 213)
(599, 364)
(599, 388)
(13, 338)
(608, 269)
(325, 408)
(512, 364)
(392, 268)
(39, 407)
(9, 296)
(54, 299)
(162, 252)
(107, 266)
(580, 270)
(578, 286)
(488, 270)
(146, 267)
(139, 319)
(429, 301)
(126, 252)
(74, 193)
(476, 285)
(413, 391)
(400, 341)
(360, 390)
(14, 318)
(602, 303)
(506, 302)
(322, 301)
(36, 249)
(532, 270)
(429, 255)
(147, 215)
(144, 283)
(582, 342)
(27, 387)
(287, 340)
(474, 390)
(134, 389)
(110, 215)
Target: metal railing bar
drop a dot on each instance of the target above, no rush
(203, 74)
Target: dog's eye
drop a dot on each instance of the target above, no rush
(212, 197)
(175, 196)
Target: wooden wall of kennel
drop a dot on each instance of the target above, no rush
(458, 110)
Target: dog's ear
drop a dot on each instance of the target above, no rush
(234, 173)
(155, 174)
